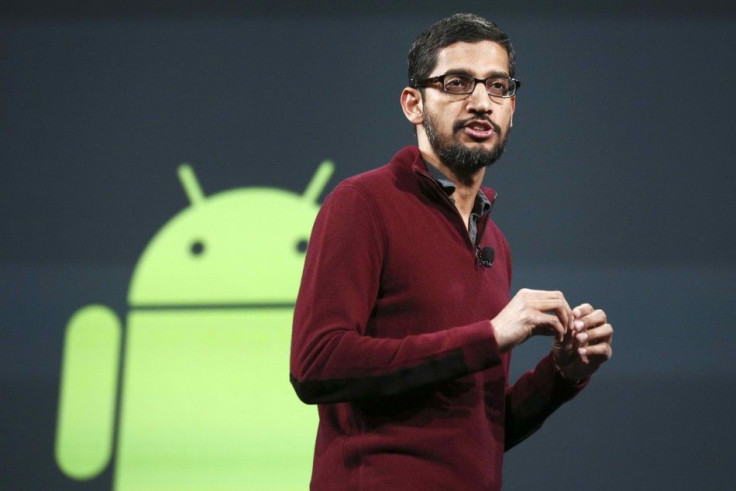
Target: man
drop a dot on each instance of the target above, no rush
(404, 325)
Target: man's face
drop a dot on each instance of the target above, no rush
(467, 132)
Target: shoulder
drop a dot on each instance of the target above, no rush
(380, 185)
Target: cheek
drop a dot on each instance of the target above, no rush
(507, 119)
(511, 112)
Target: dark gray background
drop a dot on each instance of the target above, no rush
(615, 188)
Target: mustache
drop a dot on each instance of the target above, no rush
(461, 124)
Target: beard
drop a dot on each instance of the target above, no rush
(462, 160)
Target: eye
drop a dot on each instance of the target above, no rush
(457, 83)
(197, 248)
(498, 86)
(301, 246)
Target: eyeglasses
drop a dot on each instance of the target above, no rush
(458, 83)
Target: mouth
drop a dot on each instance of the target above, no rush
(479, 129)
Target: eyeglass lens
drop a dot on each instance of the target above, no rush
(464, 84)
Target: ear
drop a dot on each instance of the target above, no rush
(412, 105)
(513, 108)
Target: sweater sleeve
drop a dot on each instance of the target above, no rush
(533, 398)
(333, 358)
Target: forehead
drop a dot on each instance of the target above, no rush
(480, 59)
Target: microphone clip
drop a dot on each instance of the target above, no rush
(485, 256)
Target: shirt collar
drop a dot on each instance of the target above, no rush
(482, 204)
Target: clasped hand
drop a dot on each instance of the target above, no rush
(582, 335)
(586, 346)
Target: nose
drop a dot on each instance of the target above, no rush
(479, 101)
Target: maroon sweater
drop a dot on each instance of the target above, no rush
(392, 339)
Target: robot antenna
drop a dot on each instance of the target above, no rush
(319, 181)
(191, 184)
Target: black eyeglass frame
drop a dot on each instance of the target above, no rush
(441, 79)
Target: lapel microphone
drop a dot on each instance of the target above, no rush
(485, 256)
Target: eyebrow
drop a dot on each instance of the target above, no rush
(465, 71)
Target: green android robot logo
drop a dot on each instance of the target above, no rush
(204, 396)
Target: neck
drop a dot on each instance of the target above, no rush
(466, 185)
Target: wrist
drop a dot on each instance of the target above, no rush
(560, 372)
(503, 342)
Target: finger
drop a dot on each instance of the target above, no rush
(582, 309)
(553, 301)
(551, 326)
(568, 341)
(582, 338)
(548, 298)
(548, 301)
(593, 319)
(599, 352)
(603, 333)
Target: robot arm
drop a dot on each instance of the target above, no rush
(87, 400)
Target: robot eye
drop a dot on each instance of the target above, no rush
(301, 246)
(197, 248)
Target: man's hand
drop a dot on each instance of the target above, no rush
(586, 346)
(530, 313)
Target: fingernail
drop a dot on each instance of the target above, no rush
(582, 337)
(579, 324)
(583, 351)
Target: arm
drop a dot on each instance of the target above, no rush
(89, 380)
(534, 397)
(560, 375)
(333, 357)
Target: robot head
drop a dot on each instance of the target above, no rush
(240, 247)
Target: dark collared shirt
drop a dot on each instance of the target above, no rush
(481, 206)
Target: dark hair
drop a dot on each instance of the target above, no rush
(469, 28)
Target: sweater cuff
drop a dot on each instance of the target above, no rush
(549, 381)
